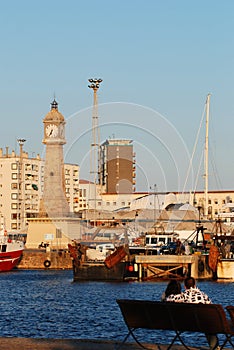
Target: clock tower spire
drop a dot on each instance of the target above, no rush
(54, 202)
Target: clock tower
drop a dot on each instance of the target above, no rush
(55, 224)
(54, 202)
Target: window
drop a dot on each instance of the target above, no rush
(99, 204)
(14, 176)
(14, 205)
(14, 196)
(27, 166)
(14, 226)
(14, 216)
(14, 166)
(35, 167)
(14, 186)
(28, 176)
(114, 203)
(122, 203)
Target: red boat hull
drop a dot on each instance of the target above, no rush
(9, 260)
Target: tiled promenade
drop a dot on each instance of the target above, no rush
(72, 344)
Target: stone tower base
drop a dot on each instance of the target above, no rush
(54, 232)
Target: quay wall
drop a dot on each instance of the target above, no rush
(42, 259)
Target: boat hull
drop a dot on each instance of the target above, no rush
(225, 269)
(100, 272)
(9, 260)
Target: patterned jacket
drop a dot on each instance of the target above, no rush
(194, 295)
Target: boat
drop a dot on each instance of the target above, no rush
(11, 250)
(96, 264)
(221, 257)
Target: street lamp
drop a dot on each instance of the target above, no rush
(21, 143)
(20, 181)
(94, 83)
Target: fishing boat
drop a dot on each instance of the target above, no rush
(222, 257)
(11, 250)
(96, 264)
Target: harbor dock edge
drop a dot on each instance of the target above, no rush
(77, 344)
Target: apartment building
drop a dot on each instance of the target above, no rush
(21, 187)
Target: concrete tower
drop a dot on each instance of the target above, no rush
(54, 202)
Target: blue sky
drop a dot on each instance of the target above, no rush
(158, 61)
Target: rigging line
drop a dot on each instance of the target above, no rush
(214, 167)
(198, 172)
(194, 149)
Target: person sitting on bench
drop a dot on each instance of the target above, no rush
(192, 294)
(173, 292)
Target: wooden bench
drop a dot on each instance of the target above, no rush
(230, 310)
(209, 319)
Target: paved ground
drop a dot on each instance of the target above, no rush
(72, 344)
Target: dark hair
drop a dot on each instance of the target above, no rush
(173, 287)
(189, 282)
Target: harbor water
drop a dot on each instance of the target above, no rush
(48, 304)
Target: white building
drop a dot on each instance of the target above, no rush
(21, 187)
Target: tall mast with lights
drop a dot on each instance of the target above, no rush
(95, 144)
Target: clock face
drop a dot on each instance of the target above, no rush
(51, 130)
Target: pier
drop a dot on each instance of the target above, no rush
(172, 266)
(149, 267)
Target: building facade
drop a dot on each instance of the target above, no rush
(22, 185)
(117, 166)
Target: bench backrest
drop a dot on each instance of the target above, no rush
(204, 318)
(230, 310)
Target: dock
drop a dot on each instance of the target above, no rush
(33, 259)
(77, 344)
(173, 266)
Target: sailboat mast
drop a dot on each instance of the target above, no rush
(207, 155)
